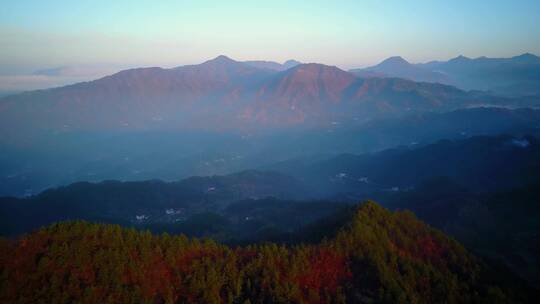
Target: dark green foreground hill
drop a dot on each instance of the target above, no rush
(378, 256)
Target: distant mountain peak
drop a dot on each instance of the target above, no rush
(310, 65)
(221, 59)
(307, 84)
(398, 67)
(272, 65)
(527, 58)
(527, 55)
(395, 60)
(460, 58)
(291, 63)
(316, 68)
(393, 63)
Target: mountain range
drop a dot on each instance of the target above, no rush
(272, 65)
(225, 94)
(398, 67)
(483, 163)
(515, 76)
(277, 153)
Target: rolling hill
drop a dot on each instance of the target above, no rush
(376, 256)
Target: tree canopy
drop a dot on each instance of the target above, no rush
(377, 257)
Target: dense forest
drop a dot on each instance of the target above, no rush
(376, 256)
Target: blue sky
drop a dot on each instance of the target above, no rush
(42, 34)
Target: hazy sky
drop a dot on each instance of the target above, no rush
(44, 34)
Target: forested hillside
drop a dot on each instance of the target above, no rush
(376, 257)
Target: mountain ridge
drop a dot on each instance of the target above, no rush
(272, 65)
(225, 92)
(513, 76)
(353, 266)
(396, 66)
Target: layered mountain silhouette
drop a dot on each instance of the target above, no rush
(518, 75)
(69, 157)
(398, 67)
(120, 202)
(272, 65)
(514, 76)
(222, 93)
(480, 162)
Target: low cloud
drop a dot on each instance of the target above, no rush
(52, 77)
(17, 83)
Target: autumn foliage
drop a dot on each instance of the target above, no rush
(379, 257)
